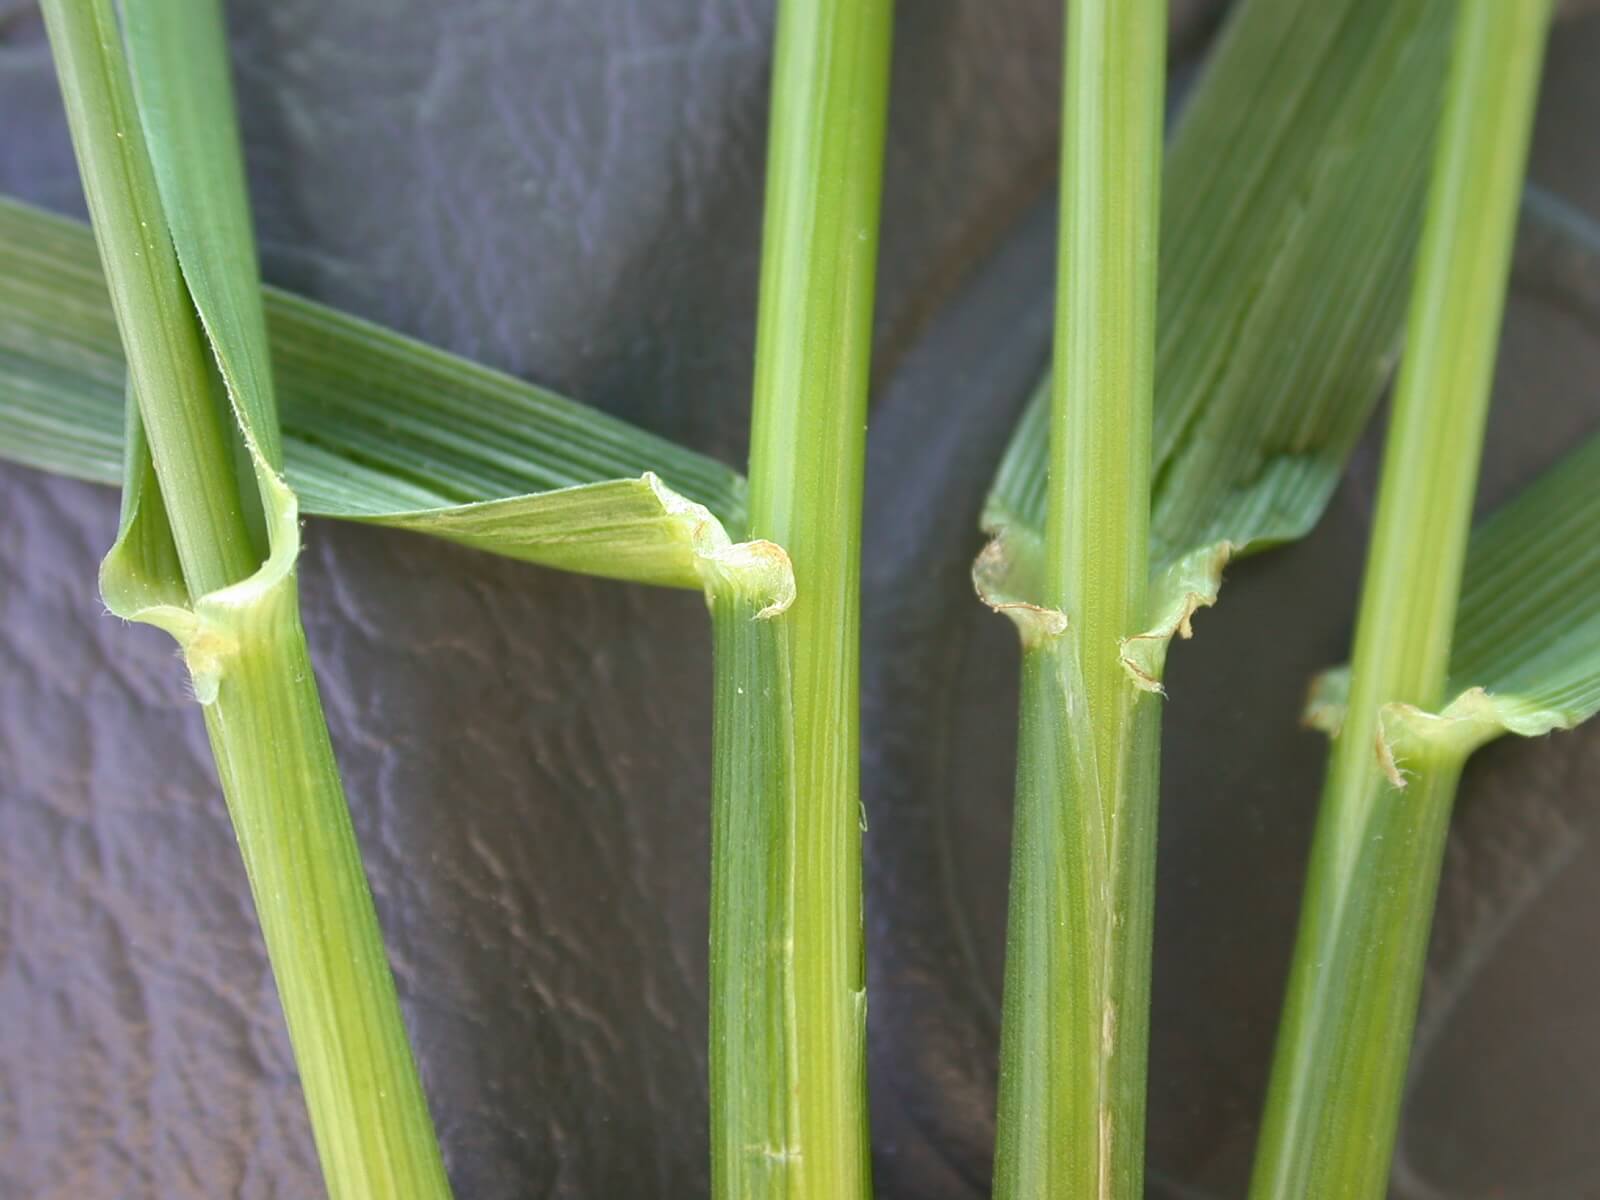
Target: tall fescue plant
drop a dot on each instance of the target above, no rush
(1221, 342)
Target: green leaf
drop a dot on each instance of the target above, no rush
(376, 427)
(1292, 199)
(1528, 627)
(1525, 655)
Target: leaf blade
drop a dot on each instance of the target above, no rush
(376, 427)
(1528, 626)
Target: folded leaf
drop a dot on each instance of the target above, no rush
(1528, 627)
(1525, 657)
(376, 427)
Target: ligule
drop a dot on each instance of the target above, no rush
(1291, 208)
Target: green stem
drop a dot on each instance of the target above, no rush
(167, 360)
(1338, 1075)
(754, 1061)
(374, 1136)
(1074, 1033)
(237, 615)
(788, 991)
(1077, 987)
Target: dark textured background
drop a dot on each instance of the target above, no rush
(571, 191)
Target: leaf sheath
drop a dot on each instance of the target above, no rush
(1076, 1005)
(808, 434)
(206, 550)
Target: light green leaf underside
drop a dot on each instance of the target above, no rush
(1291, 207)
(1526, 652)
(376, 427)
(1529, 618)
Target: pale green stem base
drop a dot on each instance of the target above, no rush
(753, 1067)
(1074, 1038)
(368, 1114)
(1338, 1074)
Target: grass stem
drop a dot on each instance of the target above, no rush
(788, 994)
(1074, 1032)
(1334, 1099)
(167, 358)
(180, 270)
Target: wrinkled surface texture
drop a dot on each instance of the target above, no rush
(573, 194)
